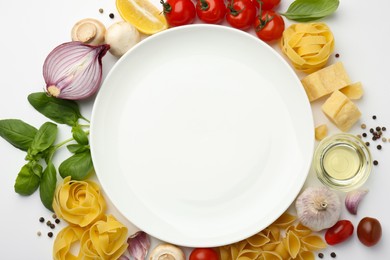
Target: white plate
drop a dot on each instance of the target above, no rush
(202, 135)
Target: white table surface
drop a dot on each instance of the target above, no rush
(31, 29)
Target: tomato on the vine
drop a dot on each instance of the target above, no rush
(340, 232)
(269, 25)
(204, 254)
(269, 4)
(241, 13)
(179, 12)
(211, 11)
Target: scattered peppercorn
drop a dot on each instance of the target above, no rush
(57, 221)
(364, 135)
(39, 233)
(359, 136)
(367, 144)
(371, 130)
(111, 15)
(48, 223)
(52, 226)
(377, 128)
(374, 117)
(337, 55)
(54, 216)
(333, 255)
(320, 255)
(379, 147)
(101, 10)
(383, 128)
(41, 219)
(50, 234)
(375, 162)
(363, 126)
(384, 139)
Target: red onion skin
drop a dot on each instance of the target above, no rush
(73, 70)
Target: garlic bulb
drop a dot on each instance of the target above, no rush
(318, 208)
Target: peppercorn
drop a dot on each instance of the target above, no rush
(374, 117)
(384, 139)
(371, 130)
(50, 234)
(337, 55)
(383, 128)
(378, 128)
(320, 255)
(375, 162)
(359, 136)
(364, 135)
(39, 233)
(367, 144)
(48, 223)
(52, 226)
(101, 10)
(333, 255)
(379, 147)
(57, 221)
(41, 219)
(54, 216)
(111, 15)
(363, 126)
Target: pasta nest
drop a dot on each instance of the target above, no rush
(308, 45)
(79, 202)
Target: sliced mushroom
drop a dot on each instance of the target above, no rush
(167, 252)
(121, 36)
(90, 31)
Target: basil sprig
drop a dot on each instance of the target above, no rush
(310, 10)
(39, 171)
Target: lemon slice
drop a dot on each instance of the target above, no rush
(145, 16)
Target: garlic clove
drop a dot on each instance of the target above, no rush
(352, 200)
(318, 208)
(90, 31)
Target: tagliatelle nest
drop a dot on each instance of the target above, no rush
(308, 45)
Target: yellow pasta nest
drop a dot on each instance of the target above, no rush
(308, 45)
(106, 240)
(281, 240)
(67, 239)
(79, 202)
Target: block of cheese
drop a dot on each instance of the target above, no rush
(325, 81)
(341, 111)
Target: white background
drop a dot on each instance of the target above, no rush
(31, 29)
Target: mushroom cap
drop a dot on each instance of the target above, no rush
(121, 36)
(167, 252)
(89, 30)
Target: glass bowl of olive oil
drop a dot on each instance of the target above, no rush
(342, 162)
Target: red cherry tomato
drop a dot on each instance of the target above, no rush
(340, 232)
(269, 25)
(179, 12)
(241, 13)
(369, 231)
(269, 4)
(211, 11)
(204, 254)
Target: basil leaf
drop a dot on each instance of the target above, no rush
(59, 110)
(79, 135)
(27, 181)
(17, 133)
(77, 148)
(310, 10)
(78, 166)
(48, 185)
(44, 138)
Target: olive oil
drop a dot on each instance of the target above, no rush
(342, 161)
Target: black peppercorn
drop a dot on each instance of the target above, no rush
(41, 219)
(50, 234)
(364, 135)
(379, 147)
(48, 223)
(374, 117)
(333, 255)
(320, 255)
(111, 15)
(52, 226)
(378, 128)
(371, 130)
(57, 221)
(367, 144)
(383, 128)
(375, 162)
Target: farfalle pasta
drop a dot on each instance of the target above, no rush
(308, 45)
(67, 239)
(79, 202)
(105, 240)
(280, 240)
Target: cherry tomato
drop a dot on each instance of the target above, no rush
(269, 4)
(269, 25)
(179, 12)
(241, 13)
(211, 11)
(340, 232)
(203, 254)
(369, 231)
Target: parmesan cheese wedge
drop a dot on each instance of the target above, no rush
(341, 111)
(325, 81)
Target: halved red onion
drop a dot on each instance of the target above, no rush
(73, 70)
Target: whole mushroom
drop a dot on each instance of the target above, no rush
(121, 36)
(90, 31)
(167, 252)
